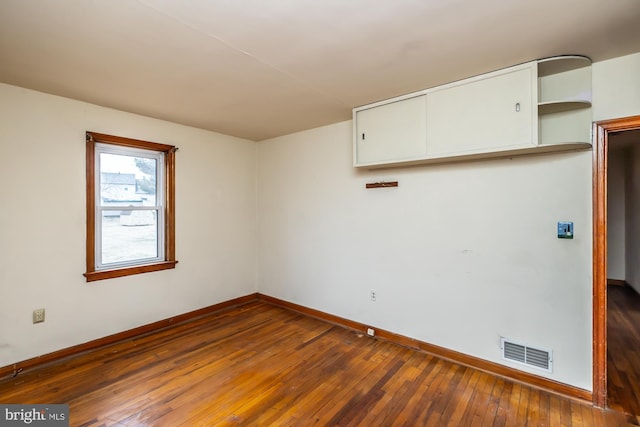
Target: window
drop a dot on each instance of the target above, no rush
(130, 206)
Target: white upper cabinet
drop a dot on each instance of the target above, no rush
(487, 113)
(534, 107)
(392, 131)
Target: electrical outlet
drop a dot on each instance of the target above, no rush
(371, 332)
(38, 315)
(372, 294)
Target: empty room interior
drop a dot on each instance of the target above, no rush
(321, 213)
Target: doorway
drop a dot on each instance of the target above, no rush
(604, 133)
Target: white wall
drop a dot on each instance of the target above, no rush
(616, 234)
(42, 225)
(633, 218)
(458, 254)
(616, 87)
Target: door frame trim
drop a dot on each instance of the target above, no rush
(600, 141)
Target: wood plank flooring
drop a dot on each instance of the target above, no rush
(623, 339)
(261, 365)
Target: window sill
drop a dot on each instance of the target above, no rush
(92, 276)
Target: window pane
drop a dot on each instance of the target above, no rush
(129, 235)
(127, 180)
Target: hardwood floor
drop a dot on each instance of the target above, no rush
(262, 365)
(623, 339)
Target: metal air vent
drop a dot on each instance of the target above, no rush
(526, 355)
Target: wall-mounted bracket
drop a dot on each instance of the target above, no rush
(382, 184)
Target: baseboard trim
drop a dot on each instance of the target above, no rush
(444, 353)
(15, 368)
(617, 282)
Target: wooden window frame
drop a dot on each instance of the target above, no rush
(169, 261)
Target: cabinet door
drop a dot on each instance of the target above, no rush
(488, 113)
(391, 132)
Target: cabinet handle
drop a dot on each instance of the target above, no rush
(517, 107)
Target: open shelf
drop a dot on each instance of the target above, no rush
(560, 64)
(551, 107)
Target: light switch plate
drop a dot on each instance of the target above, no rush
(565, 230)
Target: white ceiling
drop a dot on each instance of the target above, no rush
(262, 68)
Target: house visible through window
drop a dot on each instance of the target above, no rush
(130, 206)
